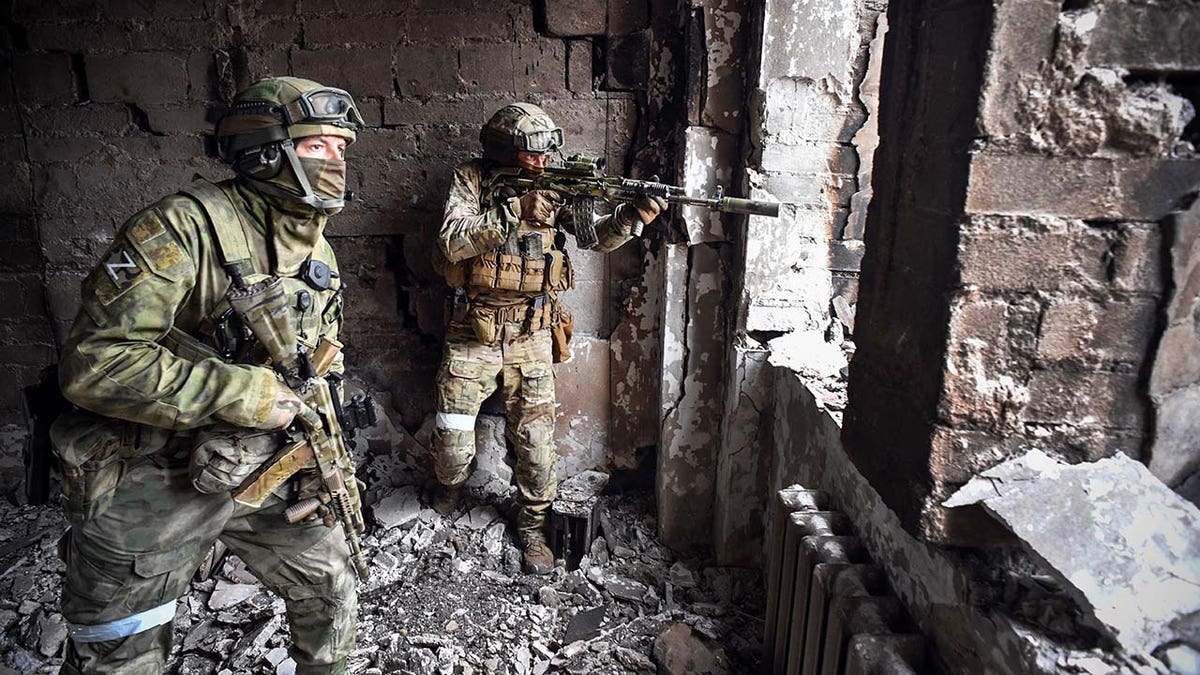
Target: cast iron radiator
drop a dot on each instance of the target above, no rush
(829, 610)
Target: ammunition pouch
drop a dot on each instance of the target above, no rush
(224, 456)
(265, 309)
(92, 452)
(524, 274)
(560, 334)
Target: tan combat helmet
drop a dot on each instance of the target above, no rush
(255, 135)
(519, 127)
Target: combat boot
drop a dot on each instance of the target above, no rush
(446, 498)
(537, 558)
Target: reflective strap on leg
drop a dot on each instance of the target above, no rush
(456, 421)
(130, 625)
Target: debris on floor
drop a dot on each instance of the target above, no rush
(446, 595)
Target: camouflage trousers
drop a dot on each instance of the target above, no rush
(143, 551)
(520, 365)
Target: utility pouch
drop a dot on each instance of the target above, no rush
(533, 274)
(560, 335)
(560, 274)
(225, 455)
(265, 309)
(483, 322)
(91, 451)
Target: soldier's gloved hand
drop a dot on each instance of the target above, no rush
(287, 405)
(648, 208)
(539, 205)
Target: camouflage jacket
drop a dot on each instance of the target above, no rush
(163, 271)
(472, 225)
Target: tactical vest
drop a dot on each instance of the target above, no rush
(533, 260)
(314, 297)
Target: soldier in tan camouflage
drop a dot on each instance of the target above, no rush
(150, 364)
(504, 255)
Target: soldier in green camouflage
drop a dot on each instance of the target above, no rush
(150, 363)
(504, 254)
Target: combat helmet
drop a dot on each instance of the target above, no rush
(256, 134)
(519, 127)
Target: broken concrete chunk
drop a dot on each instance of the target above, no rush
(478, 518)
(398, 508)
(678, 652)
(585, 625)
(1123, 545)
(52, 629)
(583, 486)
(625, 589)
(229, 594)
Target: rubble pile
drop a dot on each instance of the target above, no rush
(446, 594)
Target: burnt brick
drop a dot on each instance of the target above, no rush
(17, 195)
(363, 71)
(1053, 186)
(44, 78)
(189, 119)
(23, 294)
(63, 149)
(410, 111)
(1059, 257)
(1117, 330)
(579, 66)
(1146, 37)
(142, 78)
(139, 9)
(627, 61)
(99, 118)
(273, 32)
(51, 10)
(1086, 399)
(10, 120)
(390, 143)
(541, 67)
(627, 16)
(421, 71)
(357, 29)
(263, 63)
(277, 8)
(490, 22)
(571, 18)
(173, 35)
(487, 68)
(1150, 189)
(76, 36)
(1137, 259)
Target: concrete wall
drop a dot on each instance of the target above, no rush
(809, 143)
(103, 107)
(1014, 274)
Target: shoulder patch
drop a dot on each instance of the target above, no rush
(123, 269)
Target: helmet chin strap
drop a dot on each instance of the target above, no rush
(309, 198)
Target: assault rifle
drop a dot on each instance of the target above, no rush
(581, 181)
(318, 438)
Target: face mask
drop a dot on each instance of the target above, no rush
(326, 177)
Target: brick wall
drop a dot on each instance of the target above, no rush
(103, 111)
(1016, 269)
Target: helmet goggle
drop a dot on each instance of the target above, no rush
(324, 106)
(542, 141)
